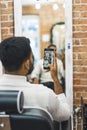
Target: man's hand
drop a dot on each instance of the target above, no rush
(54, 69)
(54, 74)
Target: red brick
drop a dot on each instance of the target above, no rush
(83, 1)
(10, 4)
(7, 24)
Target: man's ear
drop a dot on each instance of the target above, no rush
(26, 64)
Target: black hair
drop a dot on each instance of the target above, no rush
(13, 52)
(52, 45)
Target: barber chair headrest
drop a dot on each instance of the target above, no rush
(11, 101)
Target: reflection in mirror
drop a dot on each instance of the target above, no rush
(30, 29)
(37, 23)
(57, 37)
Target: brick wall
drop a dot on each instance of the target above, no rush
(79, 44)
(80, 49)
(7, 18)
(79, 53)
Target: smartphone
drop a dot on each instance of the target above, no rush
(48, 57)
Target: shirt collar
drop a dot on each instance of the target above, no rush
(14, 77)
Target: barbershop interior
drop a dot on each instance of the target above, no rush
(63, 24)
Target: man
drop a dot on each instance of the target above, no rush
(43, 76)
(16, 57)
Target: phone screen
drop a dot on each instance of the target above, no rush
(48, 57)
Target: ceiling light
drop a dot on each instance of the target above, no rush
(64, 5)
(37, 6)
(55, 6)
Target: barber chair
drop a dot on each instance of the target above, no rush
(14, 117)
(83, 114)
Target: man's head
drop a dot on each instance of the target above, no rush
(53, 47)
(16, 55)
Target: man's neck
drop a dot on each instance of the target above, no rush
(14, 73)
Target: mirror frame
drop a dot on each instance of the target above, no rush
(0, 41)
(0, 22)
(55, 27)
(68, 46)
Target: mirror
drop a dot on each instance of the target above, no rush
(44, 34)
(57, 37)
